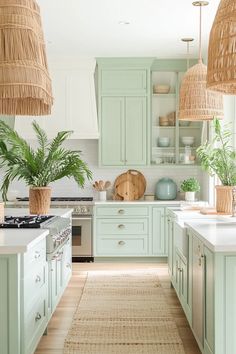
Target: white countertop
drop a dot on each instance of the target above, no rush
(218, 236)
(138, 202)
(14, 241)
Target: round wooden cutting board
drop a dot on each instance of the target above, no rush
(130, 185)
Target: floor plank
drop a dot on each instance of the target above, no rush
(60, 322)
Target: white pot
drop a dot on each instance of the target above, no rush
(102, 195)
(190, 196)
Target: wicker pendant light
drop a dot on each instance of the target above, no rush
(221, 72)
(25, 85)
(196, 103)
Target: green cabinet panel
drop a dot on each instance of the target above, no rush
(209, 301)
(122, 211)
(123, 81)
(158, 231)
(169, 235)
(112, 131)
(135, 131)
(230, 305)
(122, 226)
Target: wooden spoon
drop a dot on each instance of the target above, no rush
(97, 185)
(101, 185)
(107, 185)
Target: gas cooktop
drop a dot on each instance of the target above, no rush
(62, 199)
(29, 221)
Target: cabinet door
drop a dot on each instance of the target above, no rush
(170, 244)
(123, 82)
(112, 131)
(66, 263)
(209, 301)
(197, 289)
(135, 130)
(158, 231)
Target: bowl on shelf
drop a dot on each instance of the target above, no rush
(163, 141)
(187, 140)
(161, 88)
(184, 123)
(163, 121)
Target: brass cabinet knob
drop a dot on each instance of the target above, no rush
(38, 317)
(37, 279)
(121, 211)
(121, 226)
(121, 243)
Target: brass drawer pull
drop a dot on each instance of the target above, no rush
(121, 226)
(68, 265)
(37, 279)
(122, 243)
(38, 317)
(121, 211)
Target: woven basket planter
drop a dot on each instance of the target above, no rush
(25, 85)
(39, 200)
(196, 102)
(224, 199)
(221, 74)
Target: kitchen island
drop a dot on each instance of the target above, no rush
(28, 290)
(202, 265)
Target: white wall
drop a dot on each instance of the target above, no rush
(89, 150)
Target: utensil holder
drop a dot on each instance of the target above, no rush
(102, 195)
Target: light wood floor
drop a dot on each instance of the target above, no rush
(53, 342)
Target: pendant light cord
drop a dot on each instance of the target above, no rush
(200, 36)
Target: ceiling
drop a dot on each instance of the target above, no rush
(91, 27)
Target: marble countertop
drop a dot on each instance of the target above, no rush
(218, 236)
(14, 241)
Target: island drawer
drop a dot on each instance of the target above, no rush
(122, 227)
(122, 211)
(114, 246)
(36, 255)
(36, 322)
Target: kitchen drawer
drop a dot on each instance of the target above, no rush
(33, 282)
(36, 322)
(121, 81)
(122, 211)
(122, 227)
(137, 246)
(35, 256)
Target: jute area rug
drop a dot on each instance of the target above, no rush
(123, 313)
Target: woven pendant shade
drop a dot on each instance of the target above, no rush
(25, 85)
(196, 103)
(221, 74)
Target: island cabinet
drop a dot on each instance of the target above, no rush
(124, 110)
(30, 288)
(132, 230)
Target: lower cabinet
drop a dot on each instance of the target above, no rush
(30, 288)
(130, 230)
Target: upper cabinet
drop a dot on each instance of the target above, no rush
(124, 110)
(74, 103)
(173, 141)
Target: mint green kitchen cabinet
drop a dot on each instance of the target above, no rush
(158, 231)
(135, 230)
(123, 131)
(118, 81)
(30, 288)
(123, 111)
(209, 302)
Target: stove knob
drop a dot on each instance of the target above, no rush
(78, 210)
(84, 210)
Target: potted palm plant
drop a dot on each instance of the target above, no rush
(218, 158)
(190, 186)
(39, 167)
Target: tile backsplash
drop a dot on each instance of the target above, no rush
(89, 153)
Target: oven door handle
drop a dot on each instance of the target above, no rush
(81, 218)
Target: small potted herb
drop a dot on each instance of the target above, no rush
(190, 186)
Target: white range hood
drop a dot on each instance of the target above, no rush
(74, 102)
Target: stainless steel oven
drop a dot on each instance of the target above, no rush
(82, 236)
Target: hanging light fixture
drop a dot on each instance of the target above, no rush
(221, 72)
(196, 102)
(25, 85)
(188, 41)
